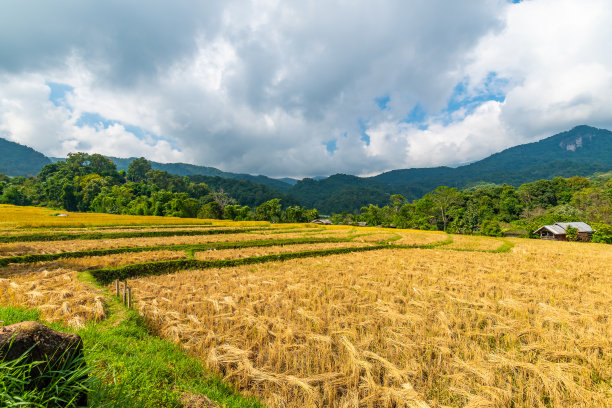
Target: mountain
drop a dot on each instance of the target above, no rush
(581, 151)
(20, 160)
(184, 169)
(340, 192)
(245, 192)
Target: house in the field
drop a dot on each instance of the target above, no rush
(321, 222)
(558, 231)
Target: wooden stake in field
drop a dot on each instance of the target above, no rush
(124, 291)
(129, 298)
(117, 287)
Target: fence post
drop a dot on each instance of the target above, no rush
(117, 286)
(129, 298)
(124, 291)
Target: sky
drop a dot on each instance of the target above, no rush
(301, 88)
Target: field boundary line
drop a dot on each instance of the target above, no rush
(115, 235)
(19, 259)
(107, 275)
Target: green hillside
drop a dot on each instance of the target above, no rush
(19, 160)
(184, 169)
(582, 151)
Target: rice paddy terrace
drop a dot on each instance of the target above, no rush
(313, 316)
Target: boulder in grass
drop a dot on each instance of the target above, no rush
(41, 343)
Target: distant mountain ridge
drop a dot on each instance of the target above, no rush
(184, 169)
(581, 151)
(20, 160)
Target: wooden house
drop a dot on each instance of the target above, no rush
(558, 231)
(321, 222)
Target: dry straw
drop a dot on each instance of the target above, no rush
(402, 328)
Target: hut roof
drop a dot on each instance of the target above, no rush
(555, 229)
(560, 228)
(580, 226)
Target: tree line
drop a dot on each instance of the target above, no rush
(91, 183)
(495, 210)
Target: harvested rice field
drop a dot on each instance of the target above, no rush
(475, 242)
(43, 247)
(279, 249)
(302, 316)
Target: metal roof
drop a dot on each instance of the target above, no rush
(555, 229)
(560, 228)
(580, 226)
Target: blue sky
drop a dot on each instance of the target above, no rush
(296, 89)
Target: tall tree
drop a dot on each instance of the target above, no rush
(137, 170)
(444, 200)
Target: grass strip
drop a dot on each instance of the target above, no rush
(115, 235)
(504, 248)
(188, 248)
(133, 368)
(107, 275)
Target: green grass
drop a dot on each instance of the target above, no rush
(39, 384)
(128, 365)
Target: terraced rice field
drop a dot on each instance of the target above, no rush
(303, 316)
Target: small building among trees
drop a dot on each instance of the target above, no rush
(321, 222)
(566, 231)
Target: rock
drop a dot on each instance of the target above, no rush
(44, 344)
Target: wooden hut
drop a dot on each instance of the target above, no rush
(558, 231)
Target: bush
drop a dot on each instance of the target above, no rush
(603, 233)
(491, 228)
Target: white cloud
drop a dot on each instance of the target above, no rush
(474, 136)
(557, 57)
(261, 86)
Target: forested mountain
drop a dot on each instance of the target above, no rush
(340, 192)
(243, 191)
(581, 151)
(19, 160)
(184, 169)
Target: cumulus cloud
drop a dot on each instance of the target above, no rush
(264, 86)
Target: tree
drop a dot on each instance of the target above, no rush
(269, 211)
(69, 200)
(181, 205)
(138, 169)
(509, 205)
(222, 200)
(444, 200)
(211, 210)
(237, 213)
(372, 215)
(491, 228)
(571, 233)
(13, 195)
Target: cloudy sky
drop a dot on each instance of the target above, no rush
(301, 88)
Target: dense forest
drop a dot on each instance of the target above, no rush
(581, 151)
(497, 210)
(85, 182)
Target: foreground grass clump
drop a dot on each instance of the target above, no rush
(60, 386)
(126, 367)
